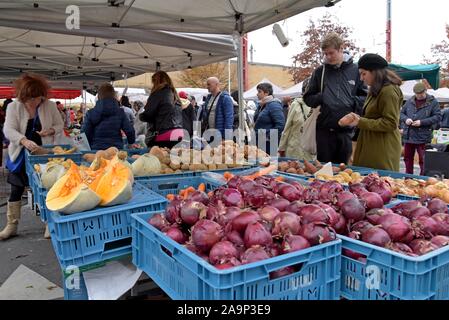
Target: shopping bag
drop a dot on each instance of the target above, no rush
(80, 142)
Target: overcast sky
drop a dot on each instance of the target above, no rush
(417, 25)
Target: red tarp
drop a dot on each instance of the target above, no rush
(10, 92)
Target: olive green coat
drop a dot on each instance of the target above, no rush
(379, 142)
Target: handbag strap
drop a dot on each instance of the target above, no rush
(322, 78)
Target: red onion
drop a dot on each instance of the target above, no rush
(175, 234)
(420, 211)
(256, 234)
(437, 206)
(258, 196)
(282, 273)
(361, 226)
(421, 247)
(443, 223)
(353, 210)
(400, 247)
(240, 222)
(329, 190)
(395, 225)
(313, 213)
(274, 249)
(235, 238)
(357, 188)
(340, 198)
(309, 195)
(230, 214)
(268, 213)
(205, 234)
(383, 190)
(317, 233)
(425, 227)
(222, 252)
(352, 254)
(372, 200)
(212, 213)
(341, 226)
(192, 211)
(286, 223)
(374, 214)
(232, 198)
(289, 192)
(199, 196)
(228, 265)
(279, 203)
(235, 182)
(246, 186)
(254, 254)
(293, 243)
(406, 208)
(440, 241)
(333, 216)
(158, 221)
(172, 211)
(298, 186)
(295, 207)
(376, 236)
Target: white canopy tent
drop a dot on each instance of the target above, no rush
(139, 20)
(251, 94)
(82, 59)
(442, 94)
(293, 92)
(201, 16)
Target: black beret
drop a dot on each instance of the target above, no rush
(371, 61)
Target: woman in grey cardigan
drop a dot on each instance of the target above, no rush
(31, 120)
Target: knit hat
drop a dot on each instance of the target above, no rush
(371, 61)
(419, 88)
(183, 95)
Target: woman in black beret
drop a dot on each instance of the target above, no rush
(379, 139)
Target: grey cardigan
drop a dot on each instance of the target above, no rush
(16, 121)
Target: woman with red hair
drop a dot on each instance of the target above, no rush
(31, 120)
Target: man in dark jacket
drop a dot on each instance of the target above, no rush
(104, 123)
(342, 93)
(419, 115)
(218, 109)
(269, 117)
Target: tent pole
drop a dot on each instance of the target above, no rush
(240, 81)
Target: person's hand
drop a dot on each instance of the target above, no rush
(46, 133)
(281, 153)
(401, 131)
(349, 120)
(416, 123)
(408, 122)
(29, 145)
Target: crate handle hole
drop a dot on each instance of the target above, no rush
(295, 268)
(117, 244)
(166, 251)
(355, 255)
(168, 186)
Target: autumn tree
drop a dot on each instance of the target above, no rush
(196, 77)
(440, 55)
(305, 62)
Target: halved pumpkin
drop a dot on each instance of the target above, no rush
(115, 185)
(70, 194)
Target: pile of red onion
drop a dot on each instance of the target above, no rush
(248, 221)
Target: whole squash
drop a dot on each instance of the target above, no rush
(146, 165)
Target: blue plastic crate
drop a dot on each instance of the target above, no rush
(39, 194)
(387, 275)
(104, 233)
(185, 276)
(174, 185)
